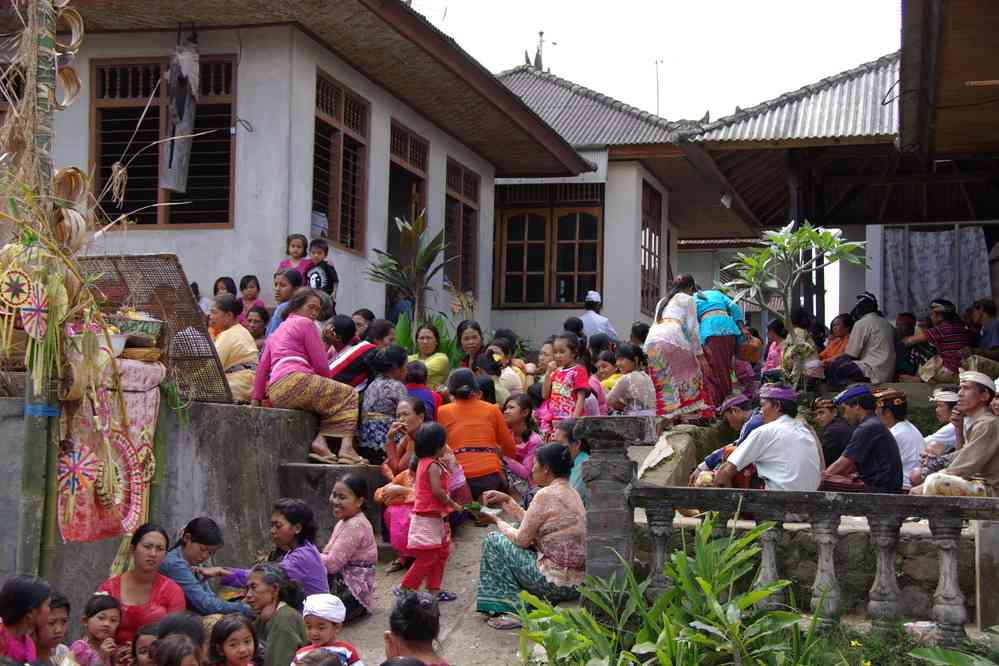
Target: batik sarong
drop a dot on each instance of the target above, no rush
(719, 350)
(505, 570)
(335, 403)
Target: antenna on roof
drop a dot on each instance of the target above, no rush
(538, 55)
(657, 62)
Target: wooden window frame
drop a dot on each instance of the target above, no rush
(651, 241)
(463, 200)
(335, 203)
(163, 196)
(405, 163)
(551, 214)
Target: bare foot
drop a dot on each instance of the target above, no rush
(347, 453)
(320, 448)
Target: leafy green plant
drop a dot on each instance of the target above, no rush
(789, 254)
(936, 655)
(410, 270)
(703, 618)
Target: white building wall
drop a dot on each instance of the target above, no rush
(273, 176)
(621, 289)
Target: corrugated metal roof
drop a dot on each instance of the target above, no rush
(584, 117)
(849, 104)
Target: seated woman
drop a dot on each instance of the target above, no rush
(145, 594)
(579, 451)
(256, 323)
(546, 555)
(350, 555)
(776, 334)
(477, 433)
(236, 348)
(293, 530)
(428, 350)
(634, 393)
(840, 329)
(416, 387)
(511, 376)
(277, 602)
(486, 365)
(381, 399)
(199, 541)
(517, 411)
(294, 374)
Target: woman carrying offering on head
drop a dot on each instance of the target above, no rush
(144, 593)
(294, 374)
(546, 554)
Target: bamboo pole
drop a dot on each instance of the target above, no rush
(41, 31)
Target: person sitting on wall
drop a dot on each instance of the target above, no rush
(908, 359)
(984, 356)
(784, 450)
(870, 353)
(740, 416)
(941, 446)
(978, 459)
(836, 432)
(948, 336)
(892, 407)
(871, 462)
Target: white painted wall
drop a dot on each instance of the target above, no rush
(273, 176)
(621, 253)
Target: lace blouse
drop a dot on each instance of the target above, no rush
(555, 526)
(352, 553)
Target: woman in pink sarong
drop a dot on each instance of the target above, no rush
(676, 360)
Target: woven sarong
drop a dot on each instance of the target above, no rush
(505, 569)
(335, 403)
(719, 350)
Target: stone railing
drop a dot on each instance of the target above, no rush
(614, 494)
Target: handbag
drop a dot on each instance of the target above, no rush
(750, 350)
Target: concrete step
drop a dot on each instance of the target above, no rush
(314, 484)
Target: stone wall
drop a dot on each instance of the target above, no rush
(220, 461)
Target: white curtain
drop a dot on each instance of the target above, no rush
(931, 266)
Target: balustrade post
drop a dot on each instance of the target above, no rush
(660, 518)
(883, 602)
(608, 475)
(948, 602)
(769, 568)
(825, 589)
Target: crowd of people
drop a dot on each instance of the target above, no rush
(492, 440)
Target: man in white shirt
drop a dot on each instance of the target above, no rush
(944, 400)
(892, 407)
(593, 321)
(784, 450)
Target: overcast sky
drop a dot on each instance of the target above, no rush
(716, 53)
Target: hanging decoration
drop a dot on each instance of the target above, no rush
(35, 312)
(15, 289)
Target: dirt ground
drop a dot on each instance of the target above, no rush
(465, 640)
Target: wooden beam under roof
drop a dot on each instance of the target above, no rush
(703, 162)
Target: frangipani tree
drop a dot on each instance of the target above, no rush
(790, 254)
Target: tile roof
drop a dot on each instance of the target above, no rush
(849, 104)
(585, 117)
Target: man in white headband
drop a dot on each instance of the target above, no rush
(979, 457)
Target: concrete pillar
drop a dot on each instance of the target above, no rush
(986, 573)
(608, 473)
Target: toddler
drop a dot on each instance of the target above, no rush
(324, 615)
(101, 617)
(296, 246)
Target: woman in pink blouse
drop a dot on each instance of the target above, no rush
(351, 554)
(546, 554)
(294, 373)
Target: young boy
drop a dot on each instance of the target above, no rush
(324, 615)
(50, 635)
(416, 386)
(322, 276)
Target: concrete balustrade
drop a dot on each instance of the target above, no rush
(615, 493)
